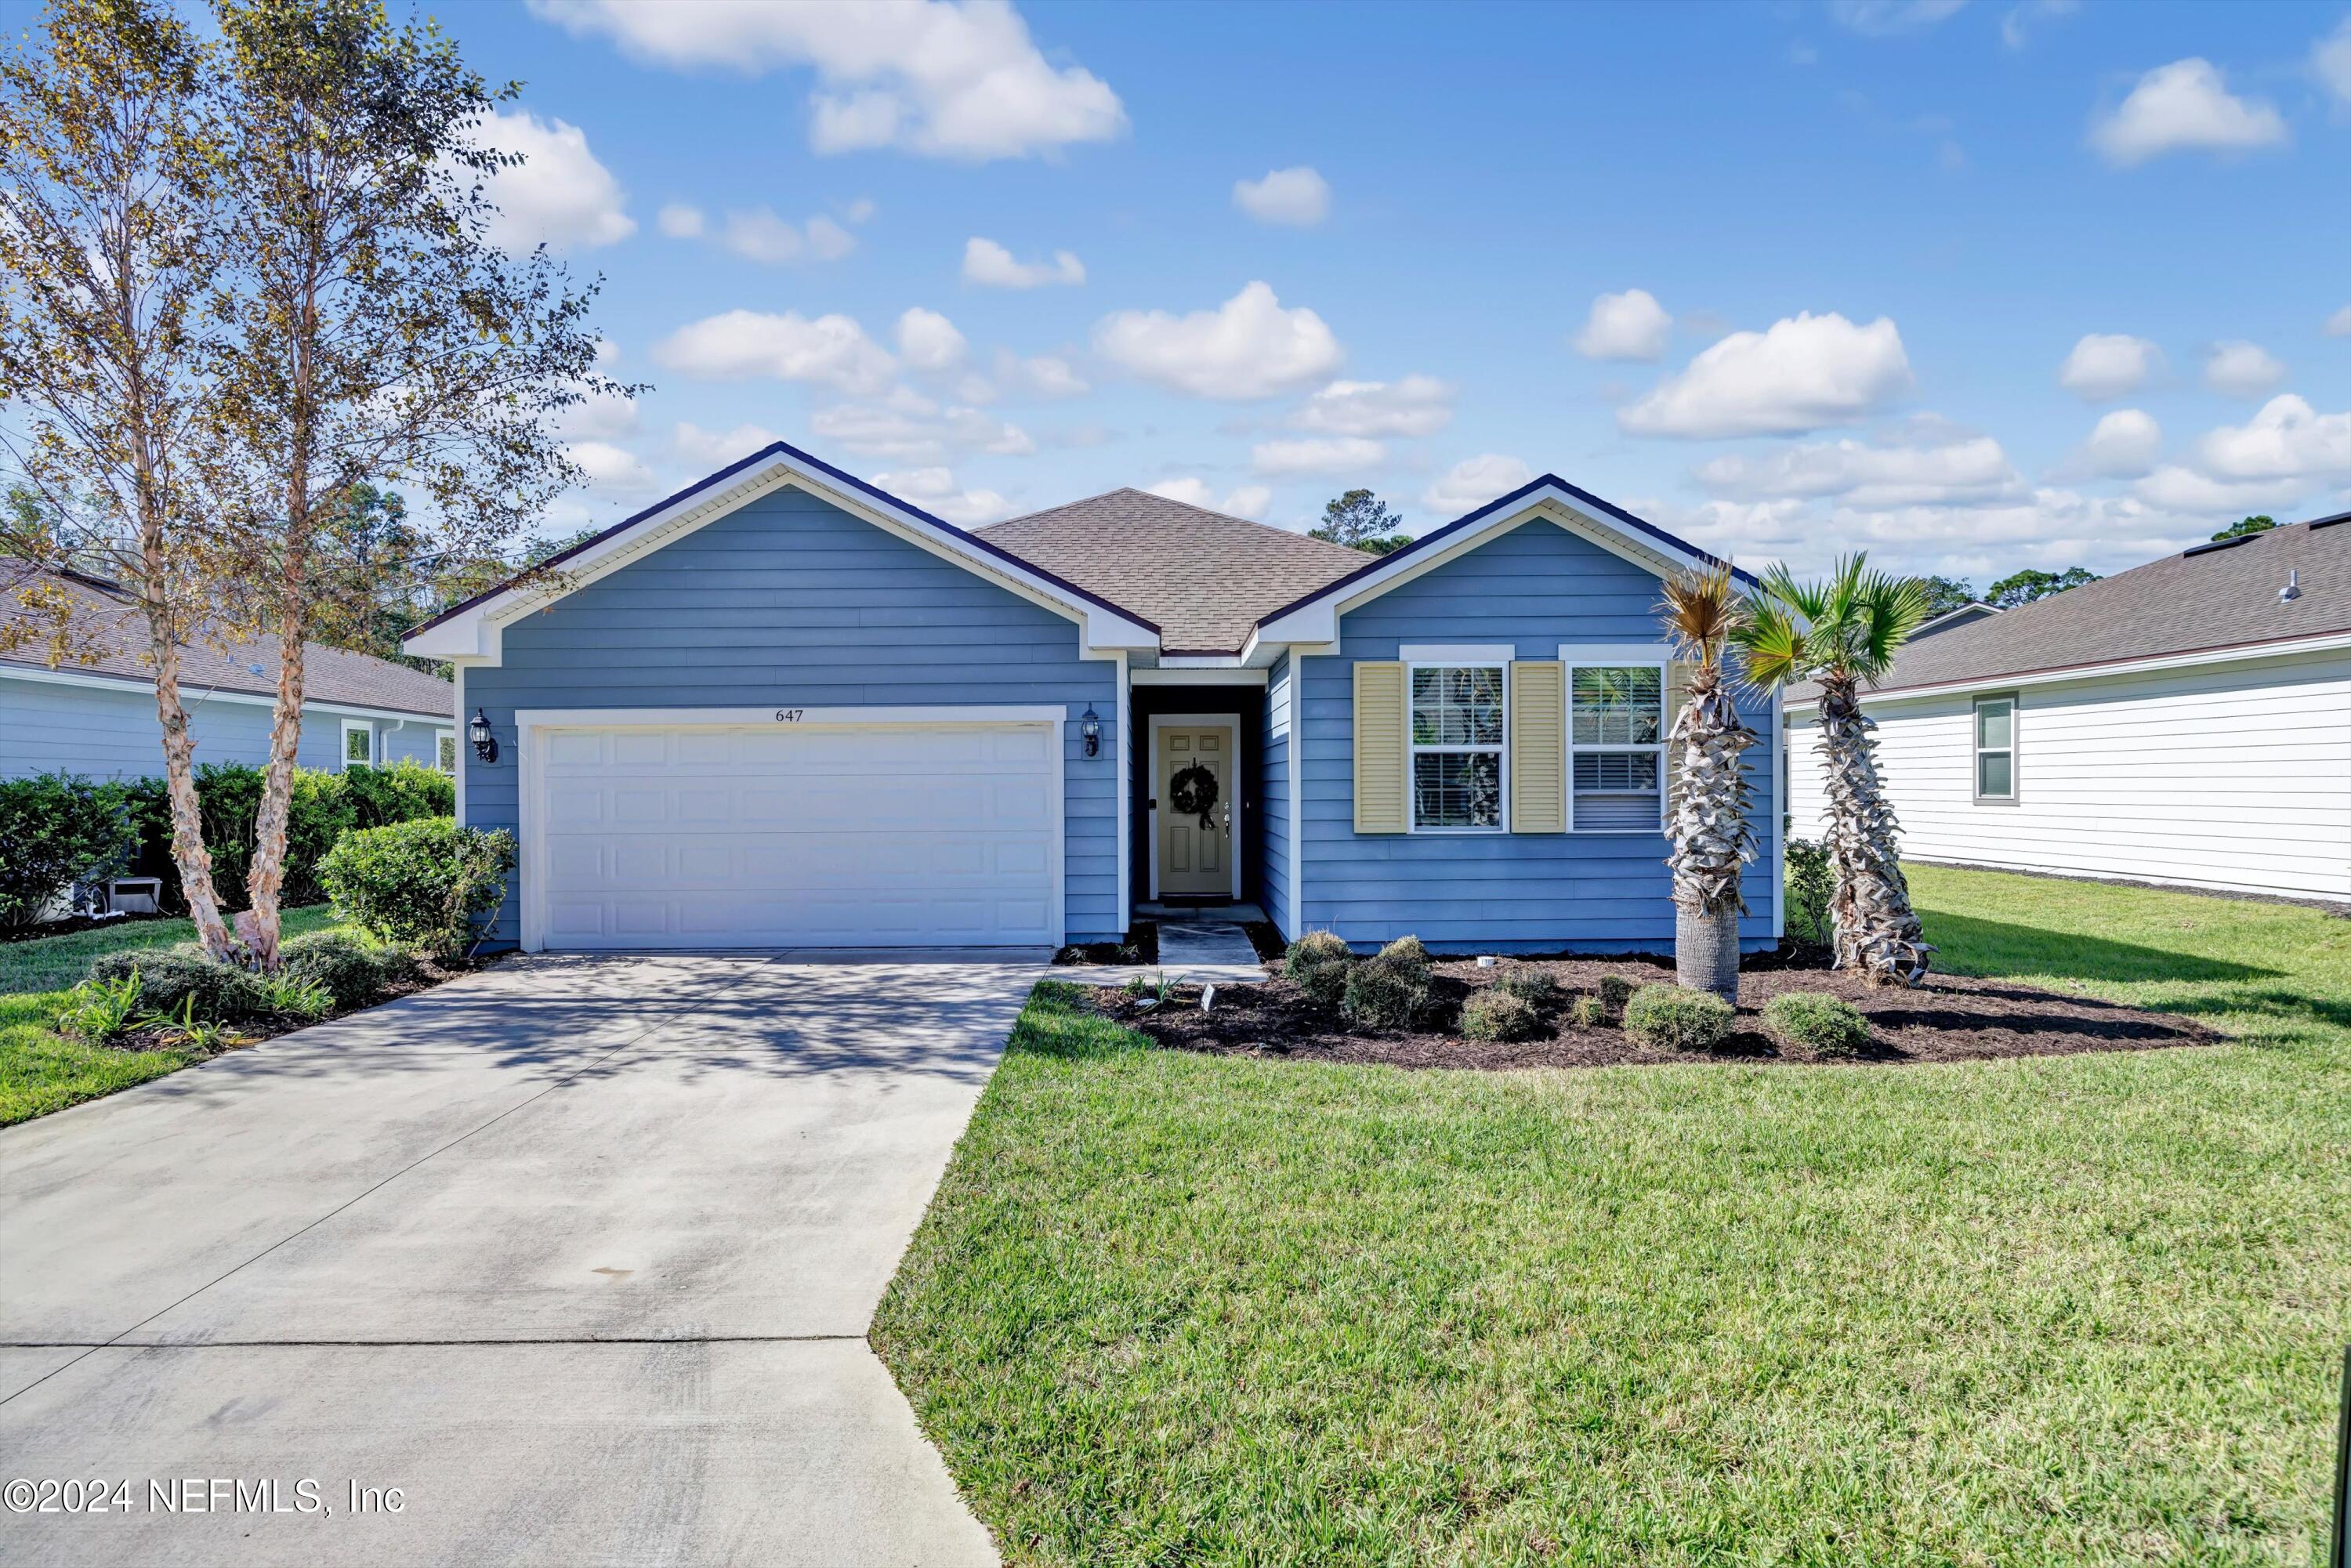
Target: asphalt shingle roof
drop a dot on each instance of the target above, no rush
(117, 632)
(2204, 600)
(1205, 578)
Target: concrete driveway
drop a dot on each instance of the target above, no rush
(576, 1254)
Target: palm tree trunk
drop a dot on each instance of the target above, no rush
(1875, 928)
(1713, 842)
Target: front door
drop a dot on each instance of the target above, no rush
(1196, 846)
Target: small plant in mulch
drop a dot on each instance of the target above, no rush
(1674, 1018)
(1615, 991)
(1318, 962)
(1587, 1013)
(1495, 1014)
(1535, 987)
(1390, 990)
(1830, 1026)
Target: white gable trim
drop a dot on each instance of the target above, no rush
(1317, 621)
(476, 631)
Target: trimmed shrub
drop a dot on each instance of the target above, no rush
(1495, 1014)
(170, 976)
(1312, 951)
(1536, 987)
(59, 830)
(1670, 1017)
(400, 793)
(1829, 1025)
(352, 973)
(1615, 991)
(1586, 1012)
(1390, 991)
(419, 884)
(1406, 950)
(1810, 880)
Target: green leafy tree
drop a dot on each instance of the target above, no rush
(2257, 523)
(1360, 520)
(1840, 633)
(1945, 594)
(2024, 587)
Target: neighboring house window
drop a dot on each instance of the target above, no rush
(1615, 744)
(1457, 746)
(445, 750)
(359, 743)
(1996, 749)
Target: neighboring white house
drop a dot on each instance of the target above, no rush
(2186, 722)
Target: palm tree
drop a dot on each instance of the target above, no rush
(1712, 838)
(1840, 633)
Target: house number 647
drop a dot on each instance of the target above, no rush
(788, 715)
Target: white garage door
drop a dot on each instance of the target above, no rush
(797, 835)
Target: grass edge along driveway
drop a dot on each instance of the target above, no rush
(2084, 1310)
(42, 1071)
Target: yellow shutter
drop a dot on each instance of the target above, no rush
(1382, 801)
(1538, 747)
(1678, 679)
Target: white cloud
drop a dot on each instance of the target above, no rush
(2016, 26)
(2175, 488)
(2108, 365)
(945, 78)
(1959, 471)
(935, 491)
(862, 209)
(717, 448)
(2288, 439)
(991, 266)
(739, 345)
(610, 467)
(756, 233)
(1249, 347)
(559, 195)
(2339, 324)
(1243, 501)
(928, 340)
(1474, 481)
(598, 416)
(1805, 373)
(2243, 369)
(2184, 107)
(1298, 198)
(2124, 445)
(1880, 17)
(1315, 455)
(681, 220)
(911, 428)
(2330, 61)
(1628, 326)
(1038, 375)
(1412, 405)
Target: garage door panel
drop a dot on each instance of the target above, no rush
(903, 835)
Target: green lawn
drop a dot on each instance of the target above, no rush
(1177, 1308)
(42, 1071)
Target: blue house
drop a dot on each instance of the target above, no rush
(785, 709)
(93, 713)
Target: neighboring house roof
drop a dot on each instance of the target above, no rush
(105, 622)
(1973, 611)
(1205, 578)
(2215, 598)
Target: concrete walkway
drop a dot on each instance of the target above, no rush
(577, 1254)
(1199, 952)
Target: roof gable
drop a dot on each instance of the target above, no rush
(1204, 577)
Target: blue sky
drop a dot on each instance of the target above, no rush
(1974, 286)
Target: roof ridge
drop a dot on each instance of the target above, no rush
(1174, 501)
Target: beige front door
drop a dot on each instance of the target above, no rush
(1195, 858)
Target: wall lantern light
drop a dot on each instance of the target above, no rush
(485, 744)
(1090, 727)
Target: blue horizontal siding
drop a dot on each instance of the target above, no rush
(1533, 588)
(1273, 794)
(792, 602)
(107, 733)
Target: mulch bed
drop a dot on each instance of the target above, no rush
(1141, 947)
(429, 972)
(1947, 1019)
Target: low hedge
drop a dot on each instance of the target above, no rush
(1496, 1014)
(419, 885)
(1672, 1017)
(59, 830)
(1829, 1025)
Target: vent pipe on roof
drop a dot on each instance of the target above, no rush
(2292, 588)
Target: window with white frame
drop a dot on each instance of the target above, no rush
(1615, 744)
(445, 750)
(359, 743)
(1996, 749)
(1457, 746)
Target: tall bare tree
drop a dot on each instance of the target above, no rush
(370, 334)
(1840, 633)
(109, 241)
(1713, 841)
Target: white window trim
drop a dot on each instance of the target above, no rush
(1976, 750)
(343, 740)
(1607, 658)
(1455, 656)
(455, 757)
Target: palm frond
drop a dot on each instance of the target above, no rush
(1771, 644)
(1700, 611)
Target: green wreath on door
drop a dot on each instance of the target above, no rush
(1193, 793)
